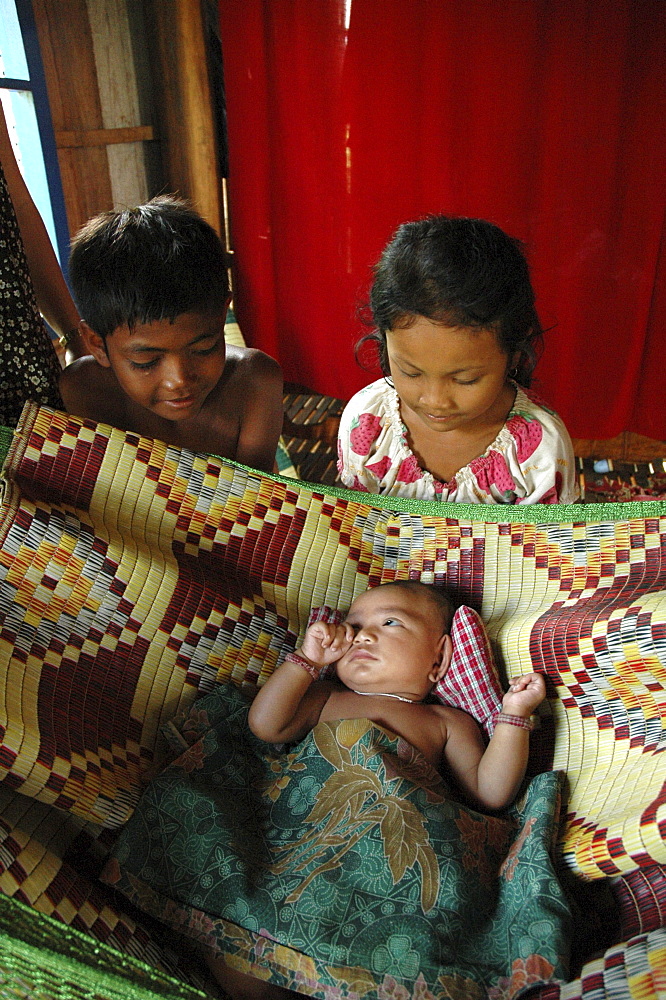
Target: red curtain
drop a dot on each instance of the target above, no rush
(348, 117)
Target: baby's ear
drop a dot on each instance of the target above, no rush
(95, 345)
(445, 652)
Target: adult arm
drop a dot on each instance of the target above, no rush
(53, 298)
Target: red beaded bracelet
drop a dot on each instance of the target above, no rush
(514, 720)
(315, 672)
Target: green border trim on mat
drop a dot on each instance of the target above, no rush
(52, 960)
(537, 513)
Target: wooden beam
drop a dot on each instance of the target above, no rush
(184, 111)
(104, 136)
(626, 447)
(71, 79)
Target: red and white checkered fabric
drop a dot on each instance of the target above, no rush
(325, 614)
(471, 682)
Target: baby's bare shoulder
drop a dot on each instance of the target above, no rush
(455, 719)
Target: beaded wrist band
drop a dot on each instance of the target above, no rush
(514, 720)
(315, 672)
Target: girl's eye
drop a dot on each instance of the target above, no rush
(410, 374)
(145, 366)
(471, 381)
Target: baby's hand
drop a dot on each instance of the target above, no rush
(325, 643)
(524, 694)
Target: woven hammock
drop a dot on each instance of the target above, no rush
(135, 576)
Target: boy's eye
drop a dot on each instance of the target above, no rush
(144, 365)
(208, 350)
(392, 621)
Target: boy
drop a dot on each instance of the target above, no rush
(393, 646)
(151, 285)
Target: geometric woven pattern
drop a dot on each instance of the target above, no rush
(135, 575)
(50, 861)
(42, 960)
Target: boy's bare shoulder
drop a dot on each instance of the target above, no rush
(244, 364)
(89, 390)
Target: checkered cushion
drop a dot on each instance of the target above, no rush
(471, 682)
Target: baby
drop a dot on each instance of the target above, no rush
(389, 652)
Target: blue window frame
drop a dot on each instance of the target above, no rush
(26, 107)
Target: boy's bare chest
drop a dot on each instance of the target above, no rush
(209, 431)
(213, 429)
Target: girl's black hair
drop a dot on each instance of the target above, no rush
(149, 263)
(460, 272)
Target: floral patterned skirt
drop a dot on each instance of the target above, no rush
(341, 867)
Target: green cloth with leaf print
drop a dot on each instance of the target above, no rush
(341, 867)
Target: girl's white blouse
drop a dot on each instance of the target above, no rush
(530, 461)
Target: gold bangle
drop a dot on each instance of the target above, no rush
(68, 337)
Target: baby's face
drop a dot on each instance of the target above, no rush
(168, 368)
(398, 646)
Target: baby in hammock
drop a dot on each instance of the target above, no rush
(389, 652)
(235, 845)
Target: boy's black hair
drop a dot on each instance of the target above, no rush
(460, 272)
(436, 595)
(153, 262)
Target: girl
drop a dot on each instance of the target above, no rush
(457, 333)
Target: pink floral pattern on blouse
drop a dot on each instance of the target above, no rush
(530, 461)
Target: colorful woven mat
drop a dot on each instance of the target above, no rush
(137, 575)
(134, 576)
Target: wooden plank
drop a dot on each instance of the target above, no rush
(104, 136)
(626, 447)
(119, 97)
(184, 109)
(71, 79)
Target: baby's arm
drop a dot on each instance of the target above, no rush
(263, 412)
(289, 704)
(492, 777)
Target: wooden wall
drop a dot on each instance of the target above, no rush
(130, 99)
